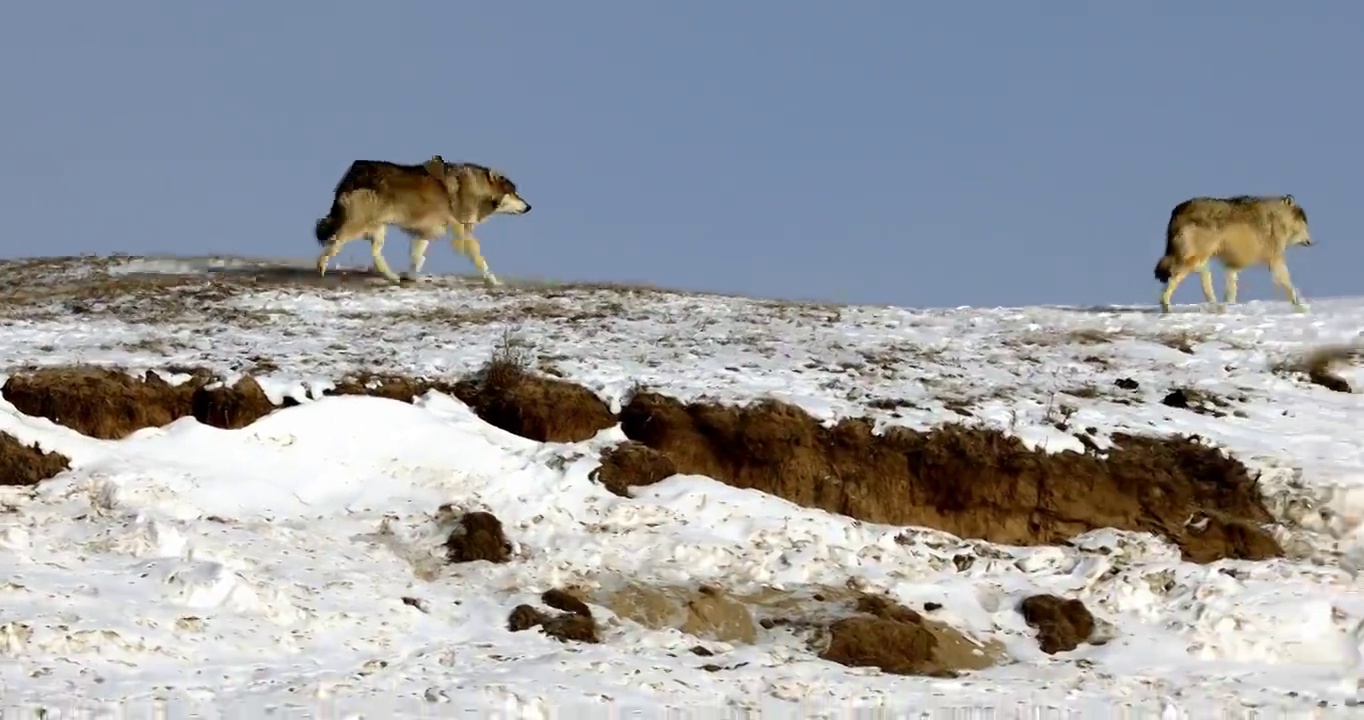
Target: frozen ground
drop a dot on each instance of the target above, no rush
(240, 570)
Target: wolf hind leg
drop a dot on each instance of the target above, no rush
(376, 248)
(332, 248)
(1176, 277)
(1209, 292)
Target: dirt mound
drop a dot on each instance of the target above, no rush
(565, 601)
(704, 612)
(888, 637)
(1320, 365)
(506, 395)
(108, 403)
(393, 387)
(971, 482)
(862, 630)
(22, 464)
(632, 464)
(479, 536)
(574, 624)
(1061, 624)
(231, 407)
(99, 402)
(533, 406)
(835, 623)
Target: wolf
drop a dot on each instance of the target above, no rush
(423, 200)
(1240, 232)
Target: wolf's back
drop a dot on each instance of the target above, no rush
(366, 175)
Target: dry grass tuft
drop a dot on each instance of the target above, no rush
(507, 394)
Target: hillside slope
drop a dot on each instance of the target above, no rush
(544, 498)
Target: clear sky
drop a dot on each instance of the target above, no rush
(913, 153)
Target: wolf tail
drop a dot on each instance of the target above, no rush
(326, 227)
(1163, 267)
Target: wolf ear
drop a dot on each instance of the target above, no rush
(494, 176)
(1288, 200)
(435, 166)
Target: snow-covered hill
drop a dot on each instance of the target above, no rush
(343, 554)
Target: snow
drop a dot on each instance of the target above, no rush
(238, 571)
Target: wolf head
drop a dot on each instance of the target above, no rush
(509, 202)
(1296, 220)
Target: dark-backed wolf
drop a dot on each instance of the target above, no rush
(423, 200)
(1239, 232)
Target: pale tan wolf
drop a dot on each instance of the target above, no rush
(422, 200)
(1239, 232)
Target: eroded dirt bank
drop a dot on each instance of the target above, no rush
(969, 481)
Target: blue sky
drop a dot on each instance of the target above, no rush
(912, 153)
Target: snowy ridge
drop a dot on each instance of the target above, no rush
(296, 564)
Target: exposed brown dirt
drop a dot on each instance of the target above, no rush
(838, 624)
(231, 407)
(864, 630)
(704, 612)
(525, 617)
(574, 624)
(533, 406)
(567, 626)
(479, 536)
(972, 482)
(99, 402)
(504, 395)
(393, 387)
(1329, 380)
(1199, 401)
(888, 637)
(563, 600)
(1320, 365)
(1062, 624)
(108, 403)
(22, 464)
(885, 634)
(632, 464)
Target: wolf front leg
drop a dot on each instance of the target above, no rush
(1279, 271)
(418, 255)
(467, 245)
